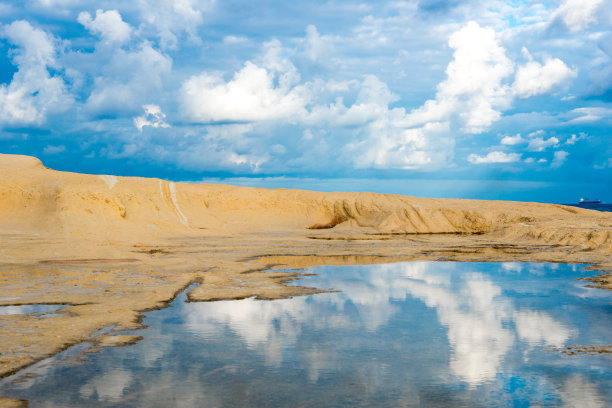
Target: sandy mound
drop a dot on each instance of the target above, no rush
(18, 162)
(128, 208)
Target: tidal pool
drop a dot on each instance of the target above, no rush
(405, 334)
(29, 309)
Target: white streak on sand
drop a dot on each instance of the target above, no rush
(183, 219)
(109, 180)
(169, 196)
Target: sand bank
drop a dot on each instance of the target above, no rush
(113, 247)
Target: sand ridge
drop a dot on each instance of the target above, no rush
(113, 247)
(135, 208)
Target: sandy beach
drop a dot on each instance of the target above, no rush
(112, 247)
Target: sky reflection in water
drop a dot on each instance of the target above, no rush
(26, 309)
(420, 333)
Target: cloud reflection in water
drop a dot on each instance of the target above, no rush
(482, 323)
(421, 333)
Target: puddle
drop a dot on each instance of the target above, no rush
(28, 309)
(405, 334)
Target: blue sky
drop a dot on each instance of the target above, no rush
(443, 98)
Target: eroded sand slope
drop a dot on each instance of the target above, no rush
(111, 247)
(59, 204)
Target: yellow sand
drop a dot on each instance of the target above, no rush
(113, 247)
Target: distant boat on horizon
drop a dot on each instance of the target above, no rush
(587, 201)
(589, 204)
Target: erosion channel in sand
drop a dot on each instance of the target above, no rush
(111, 247)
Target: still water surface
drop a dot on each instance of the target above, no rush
(406, 334)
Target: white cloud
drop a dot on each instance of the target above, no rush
(534, 78)
(107, 24)
(373, 99)
(316, 47)
(513, 140)
(578, 14)
(129, 78)
(538, 144)
(168, 19)
(33, 93)
(232, 39)
(494, 157)
(153, 117)
(226, 147)
(256, 92)
(49, 149)
(590, 114)
(250, 95)
(471, 97)
(559, 158)
(390, 146)
(127, 73)
(537, 133)
(573, 139)
(474, 89)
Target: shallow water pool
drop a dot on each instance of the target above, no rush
(29, 309)
(405, 334)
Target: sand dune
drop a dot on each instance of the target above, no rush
(111, 247)
(137, 208)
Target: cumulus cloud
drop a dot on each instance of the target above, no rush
(474, 89)
(129, 78)
(127, 72)
(390, 146)
(250, 95)
(471, 97)
(153, 116)
(33, 93)
(534, 78)
(107, 24)
(577, 14)
(513, 140)
(559, 158)
(324, 84)
(573, 139)
(229, 147)
(316, 47)
(256, 92)
(372, 102)
(169, 18)
(494, 157)
(539, 144)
